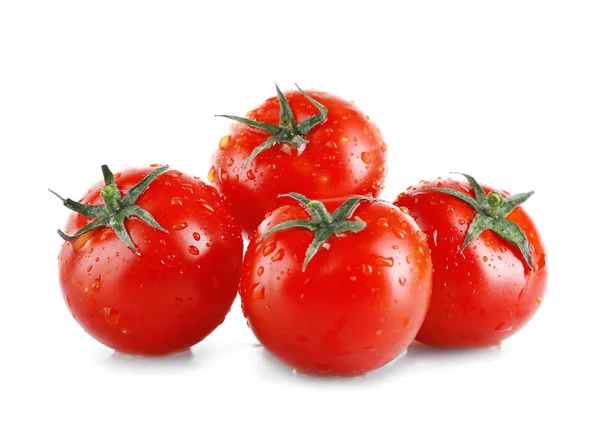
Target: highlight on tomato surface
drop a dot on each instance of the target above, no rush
(337, 287)
(310, 142)
(151, 260)
(489, 261)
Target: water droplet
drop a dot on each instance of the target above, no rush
(193, 250)
(402, 281)
(250, 175)
(485, 259)
(188, 187)
(502, 327)
(381, 261)
(223, 175)
(180, 226)
(353, 278)
(344, 139)
(230, 161)
(97, 284)
(382, 222)
(278, 256)
(111, 316)
(269, 248)
(68, 299)
(202, 203)
(171, 257)
(461, 222)
(331, 145)
(538, 301)
(258, 291)
(408, 259)
(378, 332)
(89, 268)
(399, 233)
(196, 236)
(366, 157)
(406, 322)
(224, 142)
(367, 269)
(435, 237)
(260, 271)
(211, 174)
(176, 201)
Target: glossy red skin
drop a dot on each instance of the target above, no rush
(352, 310)
(332, 164)
(170, 296)
(487, 293)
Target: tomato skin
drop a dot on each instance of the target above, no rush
(345, 155)
(180, 287)
(487, 293)
(358, 304)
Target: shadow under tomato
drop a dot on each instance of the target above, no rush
(417, 355)
(186, 358)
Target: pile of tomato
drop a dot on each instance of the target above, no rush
(334, 280)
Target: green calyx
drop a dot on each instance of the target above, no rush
(116, 208)
(322, 223)
(289, 131)
(492, 210)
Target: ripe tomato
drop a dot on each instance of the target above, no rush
(489, 290)
(314, 143)
(179, 285)
(348, 307)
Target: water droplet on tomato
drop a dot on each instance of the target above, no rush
(278, 256)
(485, 259)
(538, 301)
(381, 261)
(258, 291)
(89, 268)
(188, 187)
(406, 322)
(224, 142)
(250, 175)
(211, 174)
(223, 175)
(402, 281)
(367, 269)
(382, 222)
(269, 248)
(353, 278)
(193, 250)
(260, 271)
(502, 327)
(68, 299)
(180, 226)
(399, 233)
(176, 201)
(378, 332)
(366, 157)
(196, 236)
(230, 162)
(111, 315)
(461, 222)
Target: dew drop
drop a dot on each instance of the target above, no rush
(399, 233)
(180, 226)
(366, 157)
(260, 271)
(205, 205)
(211, 174)
(382, 222)
(402, 281)
(461, 221)
(353, 278)
(278, 256)
(188, 187)
(193, 250)
(89, 268)
(224, 142)
(176, 201)
(250, 175)
(223, 175)
(258, 291)
(196, 236)
(111, 316)
(378, 332)
(269, 248)
(381, 261)
(485, 259)
(367, 269)
(538, 301)
(68, 299)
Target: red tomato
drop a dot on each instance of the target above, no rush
(179, 287)
(343, 155)
(488, 292)
(359, 302)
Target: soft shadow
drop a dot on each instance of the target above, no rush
(182, 359)
(417, 355)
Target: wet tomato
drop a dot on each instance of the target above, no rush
(314, 143)
(488, 258)
(338, 287)
(159, 267)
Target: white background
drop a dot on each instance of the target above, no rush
(507, 91)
